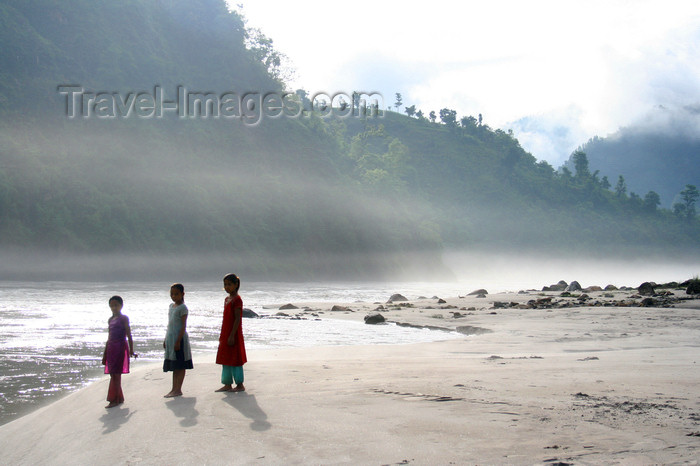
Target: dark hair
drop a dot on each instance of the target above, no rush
(233, 278)
(179, 286)
(117, 299)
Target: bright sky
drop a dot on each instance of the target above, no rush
(557, 72)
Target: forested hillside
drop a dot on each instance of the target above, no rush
(289, 197)
(503, 195)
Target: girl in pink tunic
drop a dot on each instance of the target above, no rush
(231, 353)
(116, 355)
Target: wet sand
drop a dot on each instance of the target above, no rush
(591, 384)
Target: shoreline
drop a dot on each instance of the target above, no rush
(570, 384)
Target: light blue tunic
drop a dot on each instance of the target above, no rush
(175, 314)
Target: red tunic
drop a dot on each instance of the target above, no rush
(231, 355)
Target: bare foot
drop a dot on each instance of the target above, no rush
(238, 388)
(172, 395)
(112, 404)
(225, 388)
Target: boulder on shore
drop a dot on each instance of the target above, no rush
(573, 286)
(648, 302)
(373, 319)
(287, 307)
(470, 330)
(560, 286)
(693, 287)
(397, 297)
(646, 288)
(337, 308)
(478, 292)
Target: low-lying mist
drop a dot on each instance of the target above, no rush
(99, 203)
(23, 265)
(469, 270)
(513, 271)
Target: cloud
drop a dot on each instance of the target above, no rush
(551, 136)
(598, 65)
(682, 122)
(381, 73)
(652, 86)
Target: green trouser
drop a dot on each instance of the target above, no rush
(229, 374)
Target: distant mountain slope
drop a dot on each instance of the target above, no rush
(652, 158)
(126, 45)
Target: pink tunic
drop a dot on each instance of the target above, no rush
(117, 360)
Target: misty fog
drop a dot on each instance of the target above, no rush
(121, 205)
(495, 270)
(521, 271)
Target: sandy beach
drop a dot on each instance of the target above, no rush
(536, 378)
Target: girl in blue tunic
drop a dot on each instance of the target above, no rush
(178, 355)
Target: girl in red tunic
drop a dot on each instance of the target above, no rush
(231, 354)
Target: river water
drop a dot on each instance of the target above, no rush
(52, 334)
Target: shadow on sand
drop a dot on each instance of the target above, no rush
(248, 406)
(183, 407)
(114, 418)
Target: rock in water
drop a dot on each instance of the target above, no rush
(249, 314)
(374, 319)
(287, 307)
(478, 292)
